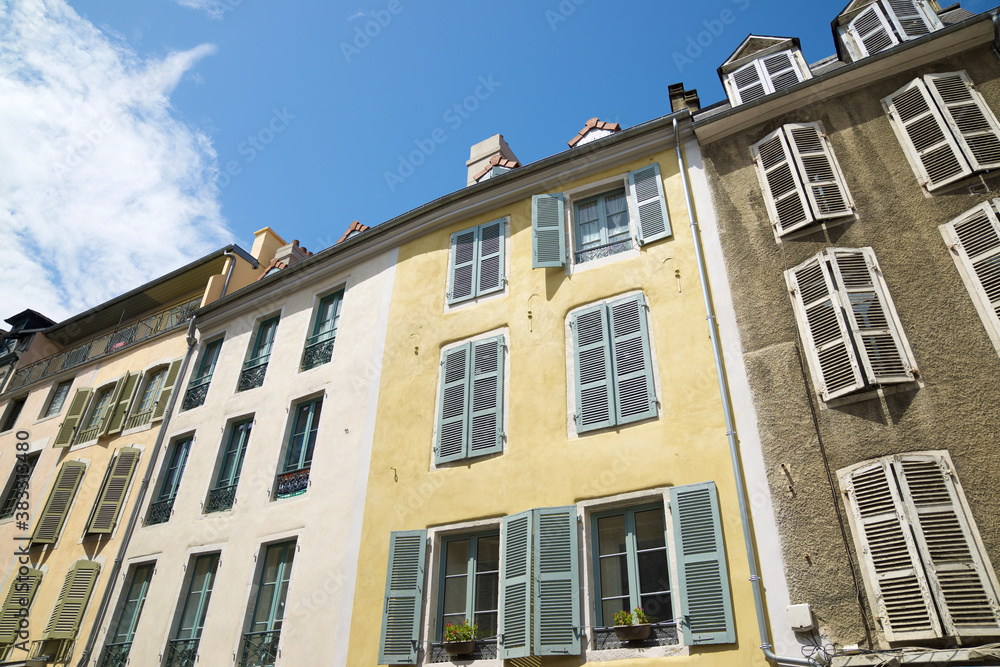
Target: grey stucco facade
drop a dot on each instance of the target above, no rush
(954, 403)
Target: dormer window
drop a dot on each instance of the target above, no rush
(762, 66)
(867, 28)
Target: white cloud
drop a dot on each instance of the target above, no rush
(102, 186)
(215, 8)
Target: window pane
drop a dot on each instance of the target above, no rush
(488, 555)
(454, 595)
(616, 209)
(458, 557)
(58, 398)
(653, 575)
(487, 591)
(614, 576)
(610, 608)
(487, 623)
(649, 529)
(658, 607)
(611, 534)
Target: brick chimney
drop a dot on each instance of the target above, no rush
(493, 152)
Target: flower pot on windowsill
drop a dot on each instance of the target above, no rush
(460, 647)
(632, 633)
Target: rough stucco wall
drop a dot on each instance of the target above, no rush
(957, 408)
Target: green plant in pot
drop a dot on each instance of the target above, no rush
(460, 639)
(631, 626)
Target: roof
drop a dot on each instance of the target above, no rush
(496, 161)
(29, 317)
(754, 44)
(354, 228)
(591, 125)
(954, 14)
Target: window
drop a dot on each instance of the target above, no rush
(53, 516)
(925, 569)
(57, 399)
(91, 425)
(198, 386)
(182, 649)
(800, 177)
(117, 649)
(68, 611)
(613, 370)
(945, 128)
(20, 595)
(319, 346)
(259, 353)
(223, 495)
(885, 23)
(260, 644)
(476, 265)
(19, 479)
(852, 337)
(14, 407)
(470, 577)
(974, 239)
(142, 413)
(294, 477)
(113, 493)
(600, 221)
(765, 75)
(470, 402)
(159, 511)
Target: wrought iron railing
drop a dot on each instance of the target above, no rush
(660, 634)
(220, 499)
(159, 512)
(181, 653)
(318, 351)
(606, 250)
(252, 375)
(115, 655)
(105, 344)
(197, 391)
(486, 649)
(293, 483)
(260, 649)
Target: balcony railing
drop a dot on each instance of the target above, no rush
(252, 375)
(606, 250)
(115, 655)
(220, 499)
(196, 393)
(51, 650)
(293, 483)
(319, 350)
(486, 649)
(105, 344)
(140, 418)
(181, 653)
(159, 512)
(260, 649)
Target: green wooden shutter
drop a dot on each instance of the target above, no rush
(970, 119)
(404, 585)
(64, 622)
(491, 267)
(68, 428)
(120, 408)
(168, 388)
(871, 31)
(822, 179)
(453, 404)
(463, 269)
(486, 397)
(784, 194)
(109, 409)
(113, 494)
(635, 391)
(548, 236)
(57, 506)
(557, 626)
(514, 629)
(592, 362)
(646, 187)
(19, 596)
(703, 580)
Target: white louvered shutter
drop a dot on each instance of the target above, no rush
(514, 629)
(781, 70)
(748, 83)
(490, 260)
(899, 592)
(404, 585)
(823, 327)
(556, 628)
(824, 183)
(945, 539)
(927, 140)
(910, 22)
(784, 194)
(462, 273)
(593, 371)
(970, 119)
(635, 393)
(453, 411)
(871, 31)
(879, 339)
(974, 237)
(486, 397)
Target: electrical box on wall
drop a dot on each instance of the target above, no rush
(800, 617)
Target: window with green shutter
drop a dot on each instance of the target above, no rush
(119, 643)
(20, 595)
(476, 262)
(470, 400)
(612, 362)
(469, 584)
(67, 430)
(182, 648)
(197, 389)
(142, 412)
(403, 604)
(293, 479)
(319, 345)
(68, 611)
(53, 515)
(260, 644)
(223, 494)
(99, 409)
(113, 494)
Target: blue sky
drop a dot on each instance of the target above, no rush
(162, 129)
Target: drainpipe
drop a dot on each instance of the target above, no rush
(192, 343)
(996, 32)
(758, 598)
(229, 274)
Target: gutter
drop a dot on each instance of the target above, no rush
(102, 609)
(755, 580)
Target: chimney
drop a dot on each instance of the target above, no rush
(290, 254)
(493, 152)
(681, 99)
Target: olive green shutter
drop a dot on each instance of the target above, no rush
(68, 612)
(514, 629)
(57, 506)
(119, 410)
(109, 409)
(113, 494)
(486, 397)
(404, 585)
(462, 269)
(557, 626)
(19, 596)
(548, 237)
(489, 257)
(168, 388)
(68, 428)
(703, 580)
(784, 195)
(635, 391)
(970, 119)
(646, 188)
(592, 363)
(453, 412)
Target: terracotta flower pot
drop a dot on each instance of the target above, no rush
(461, 647)
(632, 633)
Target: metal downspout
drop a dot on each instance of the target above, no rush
(758, 598)
(229, 274)
(134, 518)
(996, 32)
